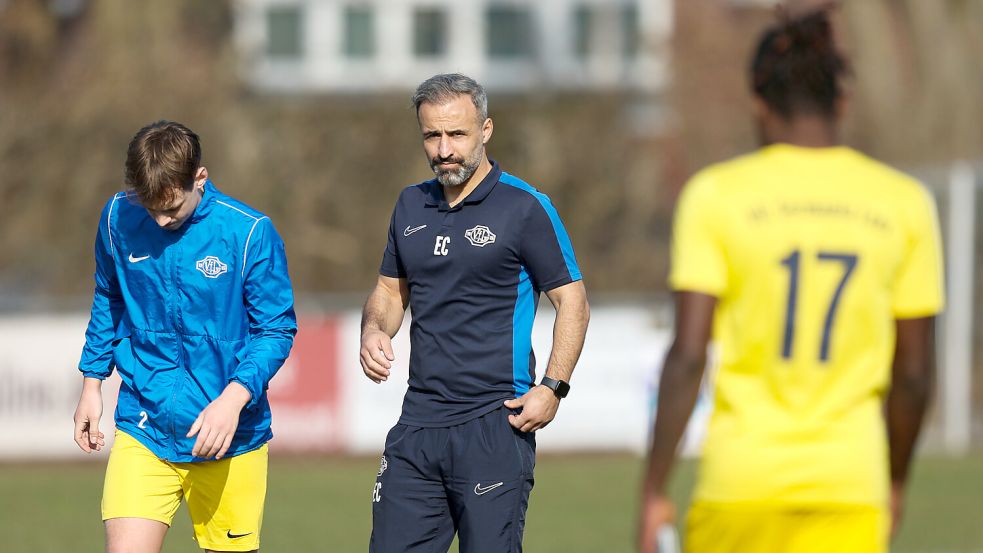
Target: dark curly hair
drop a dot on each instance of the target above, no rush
(797, 69)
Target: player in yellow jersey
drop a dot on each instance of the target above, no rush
(818, 271)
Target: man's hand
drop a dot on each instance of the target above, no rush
(657, 511)
(538, 405)
(87, 415)
(376, 355)
(216, 424)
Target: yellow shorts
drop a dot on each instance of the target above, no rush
(716, 528)
(225, 497)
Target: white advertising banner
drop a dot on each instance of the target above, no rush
(609, 407)
(321, 400)
(40, 385)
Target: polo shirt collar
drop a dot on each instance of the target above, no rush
(435, 196)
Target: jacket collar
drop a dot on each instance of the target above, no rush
(206, 204)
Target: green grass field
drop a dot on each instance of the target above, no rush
(580, 504)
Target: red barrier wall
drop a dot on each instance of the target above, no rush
(306, 394)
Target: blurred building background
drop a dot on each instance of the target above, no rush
(303, 109)
(339, 46)
(302, 106)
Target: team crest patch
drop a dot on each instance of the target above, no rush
(383, 465)
(211, 266)
(480, 236)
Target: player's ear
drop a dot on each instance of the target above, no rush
(200, 177)
(486, 130)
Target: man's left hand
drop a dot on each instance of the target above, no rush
(216, 424)
(538, 405)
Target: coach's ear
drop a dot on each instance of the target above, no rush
(486, 130)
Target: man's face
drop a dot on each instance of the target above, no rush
(175, 212)
(453, 139)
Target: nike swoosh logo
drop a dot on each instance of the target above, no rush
(137, 259)
(410, 231)
(478, 490)
(230, 535)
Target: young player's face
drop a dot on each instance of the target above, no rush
(454, 139)
(173, 214)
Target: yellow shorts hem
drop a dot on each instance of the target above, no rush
(157, 518)
(229, 546)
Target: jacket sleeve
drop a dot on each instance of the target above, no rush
(269, 300)
(107, 304)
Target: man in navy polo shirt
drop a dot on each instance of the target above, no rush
(469, 252)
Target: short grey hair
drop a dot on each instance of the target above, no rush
(447, 86)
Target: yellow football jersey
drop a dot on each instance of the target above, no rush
(812, 253)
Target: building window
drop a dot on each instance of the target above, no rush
(629, 30)
(509, 32)
(582, 31)
(284, 32)
(359, 32)
(429, 32)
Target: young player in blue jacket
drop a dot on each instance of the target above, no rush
(194, 309)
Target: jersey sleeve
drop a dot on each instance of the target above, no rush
(919, 289)
(392, 264)
(698, 262)
(545, 248)
(107, 304)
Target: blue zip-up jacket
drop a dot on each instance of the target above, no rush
(181, 314)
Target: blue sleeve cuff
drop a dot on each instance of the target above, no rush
(254, 397)
(93, 374)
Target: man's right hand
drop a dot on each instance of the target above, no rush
(87, 415)
(376, 355)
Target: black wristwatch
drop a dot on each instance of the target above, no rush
(559, 387)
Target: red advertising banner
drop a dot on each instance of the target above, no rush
(306, 393)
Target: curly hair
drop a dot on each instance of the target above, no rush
(797, 68)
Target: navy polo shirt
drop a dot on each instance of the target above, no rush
(474, 273)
